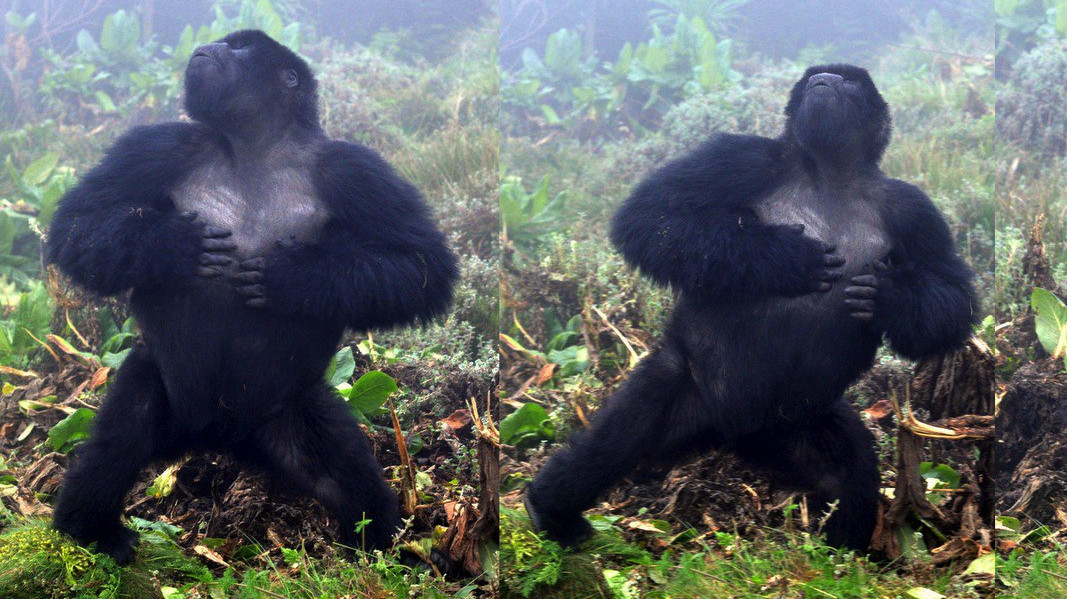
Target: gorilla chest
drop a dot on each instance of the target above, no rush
(259, 208)
(853, 223)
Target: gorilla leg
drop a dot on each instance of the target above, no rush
(317, 444)
(130, 431)
(833, 459)
(650, 416)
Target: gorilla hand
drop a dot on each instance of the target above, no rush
(861, 295)
(215, 248)
(249, 281)
(822, 265)
(249, 277)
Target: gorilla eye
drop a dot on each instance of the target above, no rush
(238, 45)
(290, 78)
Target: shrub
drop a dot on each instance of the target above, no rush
(1032, 107)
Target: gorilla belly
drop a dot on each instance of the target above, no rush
(251, 363)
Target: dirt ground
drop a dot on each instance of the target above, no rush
(1032, 441)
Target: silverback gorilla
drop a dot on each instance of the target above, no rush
(250, 242)
(792, 258)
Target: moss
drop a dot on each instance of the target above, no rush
(37, 562)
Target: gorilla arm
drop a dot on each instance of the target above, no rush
(691, 224)
(379, 262)
(926, 301)
(118, 228)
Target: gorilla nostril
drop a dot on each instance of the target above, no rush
(828, 79)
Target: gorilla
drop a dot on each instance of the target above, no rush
(250, 242)
(792, 258)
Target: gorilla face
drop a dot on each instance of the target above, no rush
(835, 112)
(248, 74)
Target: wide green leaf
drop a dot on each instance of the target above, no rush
(370, 391)
(1050, 322)
(71, 430)
(38, 170)
(529, 420)
(341, 367)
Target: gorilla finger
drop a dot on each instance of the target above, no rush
(218, 245)
(205, 271)
(189, 216)
(880, 266)
(829, 248)
(865, 280)
(248, 276)
(254, 264)
(252, 290)
(860, 305)
(861, 291)
(215, 259)
(256, 302)
(216, 232)
(824, 286)
(829, 275)
(795, 228)
(863, 316)
(830, 260)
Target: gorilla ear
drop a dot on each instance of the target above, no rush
(289, 78)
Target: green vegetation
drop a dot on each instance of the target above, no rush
(691, 564)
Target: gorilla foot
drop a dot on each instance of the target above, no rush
(568, 531)
(119, 543)
(119, 546)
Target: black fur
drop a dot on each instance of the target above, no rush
(793, 257)
(250, 242)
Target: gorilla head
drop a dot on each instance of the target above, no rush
(835, 113)
(247, 75)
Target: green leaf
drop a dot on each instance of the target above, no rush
(39, 170)
(983, 565)
(115, 359)
(1050, 322)
(49, 199)
(71, 430)
(550, 114)
(371, 390)
(924, 593)
(341, 367)
(530, 418)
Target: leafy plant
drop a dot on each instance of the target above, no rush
(527, 426)
(719, 13)
(529, 560)
(39, 187)
(28, 320)
(118, 341)
(567, 349)
(367, 394)
(937, 477)
(689, 60)
(527, 217)
(1050, 322)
